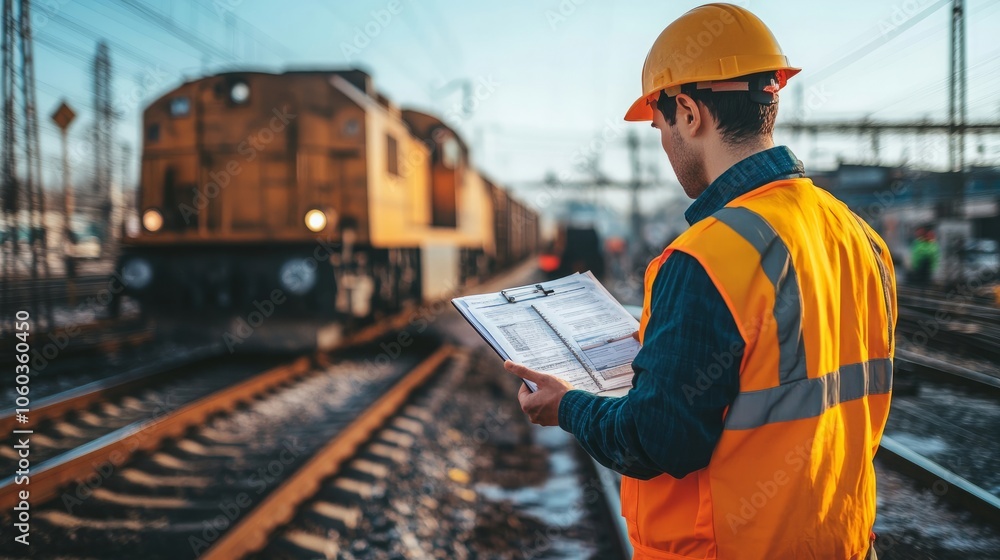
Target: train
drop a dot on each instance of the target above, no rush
(575, 248)
(291, 207)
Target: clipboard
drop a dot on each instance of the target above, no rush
(588, 330)
(515, 295)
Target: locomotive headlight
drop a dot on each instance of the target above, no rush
(137, 273)
(315, 220)
(152, 220)
(298, 276)
(239, 92)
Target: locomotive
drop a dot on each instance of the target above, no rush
(281, 209)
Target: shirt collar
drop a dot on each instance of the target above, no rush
(746, 175)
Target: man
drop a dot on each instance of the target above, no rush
(923, 257)
(762, 386)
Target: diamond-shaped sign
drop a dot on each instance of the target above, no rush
(63, 116)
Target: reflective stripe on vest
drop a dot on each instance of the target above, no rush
(810, 397)
(777, 265)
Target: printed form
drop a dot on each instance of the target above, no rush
(572, 328)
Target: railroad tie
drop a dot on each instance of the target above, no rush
(172, 462)
(370, 467)
(390, 452)
(135, 404)
(143, 478)
(408, 425)
(43, 441)
(349, 516)
(418, 412)
(90, 418)
(164, 502)
(401, 439)
(110, 409)
(69, 430)
(219, 436)
(312, 543)
(195, 448)
(362, 489)
(62, 519)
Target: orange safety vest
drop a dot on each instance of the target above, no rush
(811, 288)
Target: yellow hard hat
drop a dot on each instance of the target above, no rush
(709, 43)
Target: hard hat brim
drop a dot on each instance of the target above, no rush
(641, 110)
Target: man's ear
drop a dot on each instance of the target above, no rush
(688, 114)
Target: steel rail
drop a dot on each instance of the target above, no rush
(957, 489)
(946, 370)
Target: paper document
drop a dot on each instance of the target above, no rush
(572, 328)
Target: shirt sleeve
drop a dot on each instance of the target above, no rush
(686, 374)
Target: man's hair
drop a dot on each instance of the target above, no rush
(739, 118)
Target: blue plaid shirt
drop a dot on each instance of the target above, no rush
(687, 371)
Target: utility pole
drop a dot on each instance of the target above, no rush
(639, 243)
(8, 172)
(956, 111)
(103, 137)
(952, 227)
(27, 201)
(33, 169)
(118, 197)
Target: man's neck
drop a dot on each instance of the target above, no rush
(727, 156)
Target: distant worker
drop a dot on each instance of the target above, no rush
(763, 383)
(924, 255)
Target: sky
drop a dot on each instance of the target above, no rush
(551, 78)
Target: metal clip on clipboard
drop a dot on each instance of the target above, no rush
(524, 293)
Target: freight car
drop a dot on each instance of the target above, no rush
(280, 209)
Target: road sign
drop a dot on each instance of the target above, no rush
(63, 116)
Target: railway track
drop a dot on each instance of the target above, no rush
(155, 481)
(122, 406)
(342, 467)
(942, 370)
(108, 410)
(941, 479)
(943, 433)
(388, 500)
(962, 325)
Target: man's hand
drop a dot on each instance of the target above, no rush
(542, 406)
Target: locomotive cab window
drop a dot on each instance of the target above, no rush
(392, 155)
(451, 153)
(180, 107)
